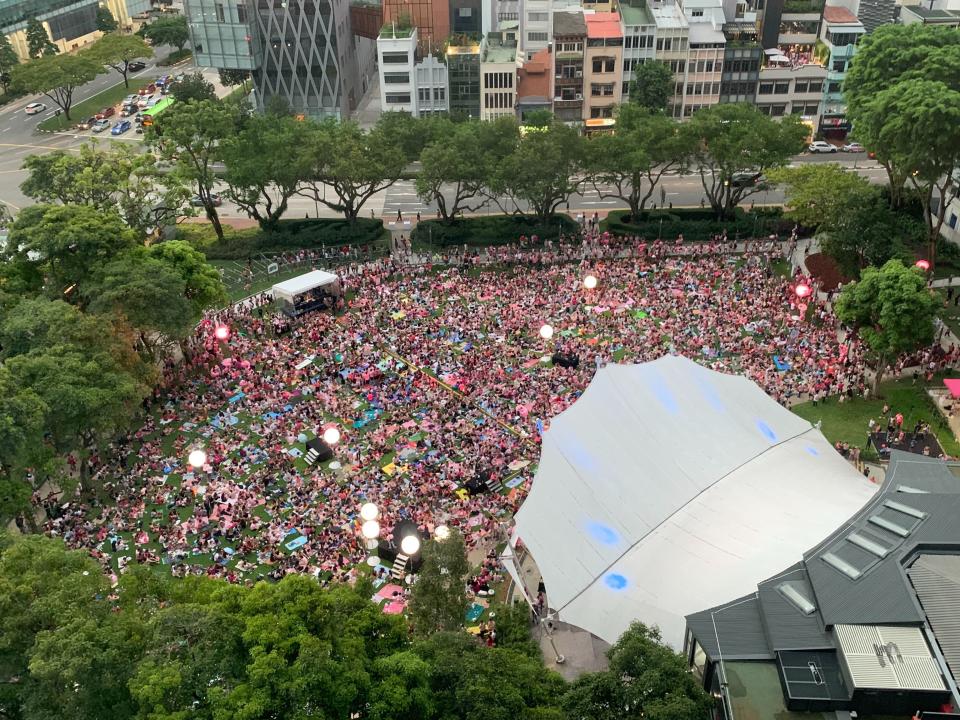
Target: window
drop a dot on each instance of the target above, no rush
(465, 12)
(439, 93)
(800, 86)
(397, 98)
(538, 16)
(241, 13)
(601, 90)
(664, 44)
(766, 88)
(781, 88)
(396, 58)
(811, 109)
(603, 112)
(839, 65)
(696, 13)
(604, 65)
(537, 37)
(219, 8)
(817, 86)
(508, 16)
(396, 78)
(423, 95)
(778, 110)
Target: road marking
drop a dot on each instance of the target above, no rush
(7, 202)
(6, 130)
(36, 147)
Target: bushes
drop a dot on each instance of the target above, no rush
(289, 235)
(491, 230)
(175, 57)
(700, 225)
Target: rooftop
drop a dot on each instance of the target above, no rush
(569, 23)
(839, 16)
(392, 31)
(933, 15)
(494, 53)
(533, 79)
(703, 33)
(636, 14)
(603, 25)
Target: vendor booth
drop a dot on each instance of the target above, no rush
(315, 289)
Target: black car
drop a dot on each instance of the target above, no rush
(136, 66)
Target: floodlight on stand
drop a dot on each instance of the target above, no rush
(802, 290)
(442, 532)
(197, 458)
(221, 332)
(410, 545)
(546, 332)
(331, 435)
(369, 511)
(370, 529)
(372, 544)
(590, 282)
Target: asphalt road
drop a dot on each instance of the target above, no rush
(19, 138)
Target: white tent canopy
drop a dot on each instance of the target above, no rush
(289, 289)
(668, 488)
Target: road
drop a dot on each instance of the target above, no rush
(18, 139)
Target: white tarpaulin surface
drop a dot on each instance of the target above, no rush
(668, 488)
(302, 283)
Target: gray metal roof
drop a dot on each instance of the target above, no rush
(733, 631)
(936, 579)
(787, 627)
(569, 23)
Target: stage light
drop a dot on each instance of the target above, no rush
(546, 332)
(923, 264)
(410, 545)
(370, 529)
(221, 332)
(802, 290)
(331, 436)
(197, 458)
(590, 282)
(442, 532)
(369, 511)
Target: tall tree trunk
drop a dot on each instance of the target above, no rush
(214, 219)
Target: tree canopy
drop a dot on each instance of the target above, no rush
(439, 601)
(8, 60)
(118, 51)
(38, 40)
(652, 86)
(192, 86)
(56, 76)
(168, 30)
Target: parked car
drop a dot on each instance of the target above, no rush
(148, 90)
(854, 147)
(86, 124)
(822, 146)
(35, 108)
(100, 125)
(121, 127)
(128, 110)
(106, 112)
(197, 201)
(136, 66)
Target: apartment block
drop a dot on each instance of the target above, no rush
(430, 17)
(397, 56)
(672, 47)
(535, 84)
(786, 90)
(839, 34)
(570, 39)
(639, 38)
(705, 19)
(498, 77)
(603, 65)
(432, 87)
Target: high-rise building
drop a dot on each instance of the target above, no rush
(840, 33)
(300, 52)
(570, 38)
(602, 65)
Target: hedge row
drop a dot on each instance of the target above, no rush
(288, 235)
(699, 225)
(490, 230)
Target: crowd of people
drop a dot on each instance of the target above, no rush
(437, 375)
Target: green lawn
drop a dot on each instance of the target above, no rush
(231, 271)
(91, 106)
(848, 421)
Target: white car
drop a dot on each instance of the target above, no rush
(821, 146)
(854, 147)
(35, 108)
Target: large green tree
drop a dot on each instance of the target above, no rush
(56, 77)
(106, 22)
(8, 60)
(652, 86)
(118, 51)
(21, 436)
(192, 87)
(262, 183)
(203, 285)
(168, 30)
(38, 40)
(190, 134)
(439, 601)
(892, 310)
(629, 164)
(541, 171)
(737, 139)
(646, 679)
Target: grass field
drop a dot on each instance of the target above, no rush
(238, 288)
(848, 421)
(91, 106)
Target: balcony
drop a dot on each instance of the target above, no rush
(561, 81)
(560, 104)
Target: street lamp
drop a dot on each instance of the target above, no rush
(197, 458)
(546, 332)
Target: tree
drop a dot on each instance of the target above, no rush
(203, 286)
(112, 178)
(190, 135)
(646, 679)
(736, 140)
(168, 30)
(56, 77)
(886, 57)
(541, 170)
(38, 40)
(106, 23)
(192, 87)
(67, 243)
(262, 183)
(634, 159)
(652, 86)
(8, 61)
(118, 51)
(921, 133)
(354, 165)
(455, 168)
(21, 433)
(230, 77)
(892, 310)
(439, 601)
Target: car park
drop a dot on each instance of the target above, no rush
(121, 127)
(854, 147)
(86, 124)
(821, 146)
(35, 108)
(106, 112)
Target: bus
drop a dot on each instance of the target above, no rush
(147, 116)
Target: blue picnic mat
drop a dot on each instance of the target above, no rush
(474, 612)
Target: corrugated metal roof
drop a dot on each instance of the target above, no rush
(936, 579)
(885, 657)
(733, 631)
(787, 628)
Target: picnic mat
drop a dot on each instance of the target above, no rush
(474, 612)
